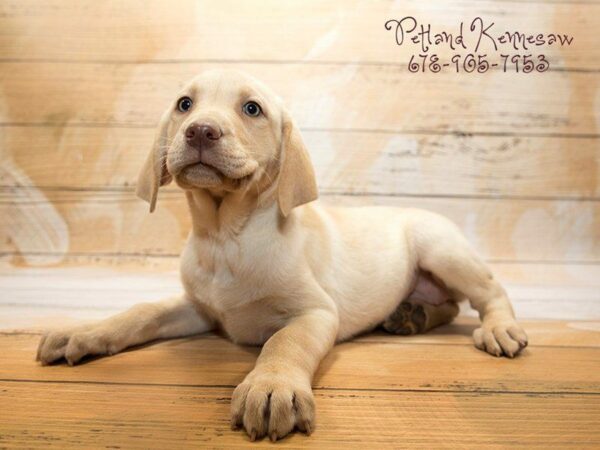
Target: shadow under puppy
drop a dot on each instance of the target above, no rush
(271, 266)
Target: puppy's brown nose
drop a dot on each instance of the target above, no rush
(202, 134)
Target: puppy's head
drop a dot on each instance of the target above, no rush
(227, 132)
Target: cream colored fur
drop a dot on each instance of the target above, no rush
(271, 266)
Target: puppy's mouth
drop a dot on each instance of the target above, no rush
(224, 172)
(219, 166)
(215, 169)
(209, 174)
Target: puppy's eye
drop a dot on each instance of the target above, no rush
(184, 104)
(252, 109)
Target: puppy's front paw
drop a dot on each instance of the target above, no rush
(73, 344)
(272, 404)
(499, 338)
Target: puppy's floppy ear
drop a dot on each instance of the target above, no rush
(154, 172)
(297, 181)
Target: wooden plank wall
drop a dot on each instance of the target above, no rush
(512, 158)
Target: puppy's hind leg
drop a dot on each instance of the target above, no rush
(443, 251)
(413, 316)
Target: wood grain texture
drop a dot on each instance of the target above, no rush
(425, 391)
(307, 32)
(512, 158)
(120, 223)
(352, 162)
(383, 98)
(74, 416)
(433, 362)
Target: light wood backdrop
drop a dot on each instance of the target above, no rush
(512, 158)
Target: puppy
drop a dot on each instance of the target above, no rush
(270, 266)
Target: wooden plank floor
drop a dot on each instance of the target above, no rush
(427, 391)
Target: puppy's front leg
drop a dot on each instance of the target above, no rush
(142, 323)
(276, 396)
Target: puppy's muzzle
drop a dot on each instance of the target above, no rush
(202, 135)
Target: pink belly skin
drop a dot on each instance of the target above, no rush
(428, 291)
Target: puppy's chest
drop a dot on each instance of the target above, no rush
(238, 302)
(222, 277)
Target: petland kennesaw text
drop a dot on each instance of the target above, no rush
(479, 34)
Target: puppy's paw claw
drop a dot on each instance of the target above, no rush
(269, 404)
(73, 345)
(504, 338)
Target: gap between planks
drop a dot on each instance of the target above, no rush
(561, 360)
(401, 395)
(153, 417)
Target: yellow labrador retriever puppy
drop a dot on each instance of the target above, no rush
(269, 265)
